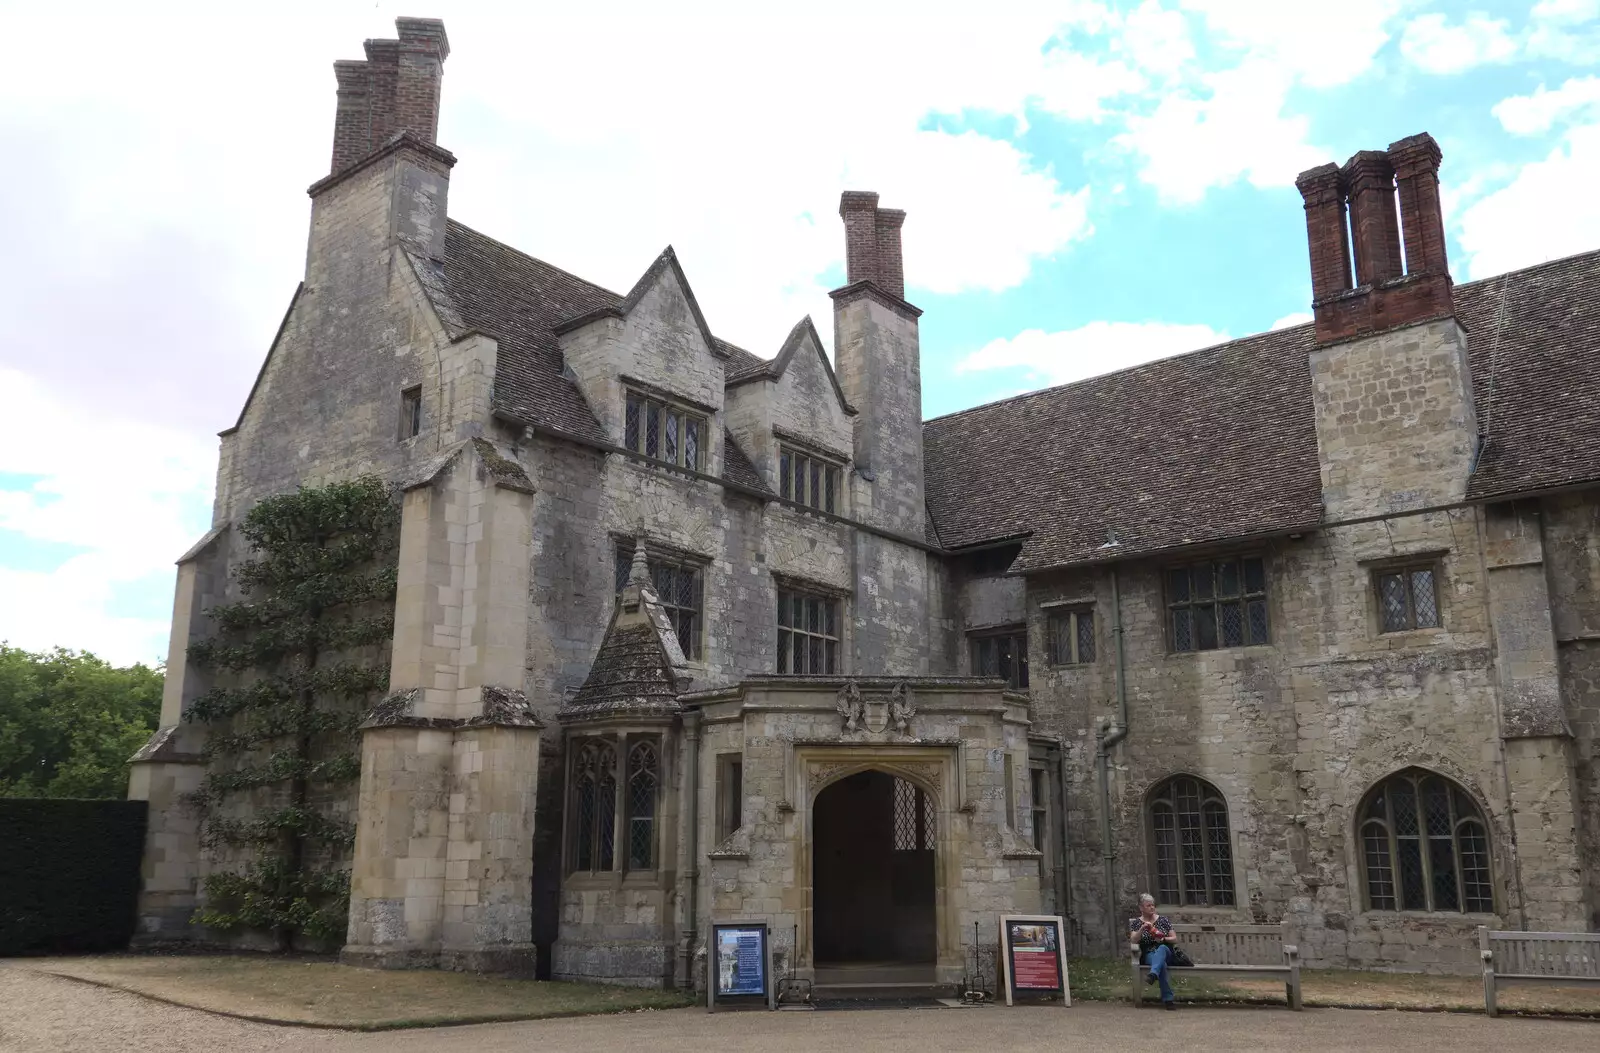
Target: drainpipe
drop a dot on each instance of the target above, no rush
(1063, 853)
(1109, 736)
(691, 875)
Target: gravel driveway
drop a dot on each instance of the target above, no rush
(42, 1014)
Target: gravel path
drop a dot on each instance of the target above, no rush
(44, 1014)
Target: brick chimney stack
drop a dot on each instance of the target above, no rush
(1353, 207)
(872, 242)
(394, 89)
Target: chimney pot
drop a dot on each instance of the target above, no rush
(891, 270)
(859, 209)
(1374, 229)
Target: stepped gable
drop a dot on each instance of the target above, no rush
(1220, 443)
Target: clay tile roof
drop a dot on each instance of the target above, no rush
(485, 285)
(1220, 443)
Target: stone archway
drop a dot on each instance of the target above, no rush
(874, 874)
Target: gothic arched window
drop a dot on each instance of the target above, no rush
(1424, 846)
(1190, 845)
(594, 797)
(644, 777)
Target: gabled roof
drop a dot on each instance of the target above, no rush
(1221, 443)
(802, 331)
(524, 303)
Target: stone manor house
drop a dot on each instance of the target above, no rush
(1303, 626)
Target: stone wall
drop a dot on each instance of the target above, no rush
(792, 744)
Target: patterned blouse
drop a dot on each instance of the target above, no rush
(1148, 943)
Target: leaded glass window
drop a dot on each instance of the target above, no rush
(594, 808)
(664, 432)
(1002, 654)
(1425, 846)
(915, 825)
(644, 777)
(1408, 599)
(1191, 846)
(1221, 603)
(680, 587)
(808, 479)
(1070, 636)
(808, 633)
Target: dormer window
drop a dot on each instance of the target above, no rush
(665, 432)
(807, 479)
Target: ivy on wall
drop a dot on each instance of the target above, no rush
(297, 661)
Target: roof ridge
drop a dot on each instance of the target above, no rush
(1475, 284)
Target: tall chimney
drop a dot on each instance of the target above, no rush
(1369, 183)
(859, 210)
(1388, 292)
(394, 89)
(879, 364)
(1416, 173)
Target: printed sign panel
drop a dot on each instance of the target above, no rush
(1033, 954)
(741, 959)
(1034, 949)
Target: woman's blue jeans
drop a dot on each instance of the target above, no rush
(1157, 961)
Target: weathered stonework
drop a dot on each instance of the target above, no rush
(519, 500)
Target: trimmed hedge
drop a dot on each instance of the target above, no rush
(69, 874)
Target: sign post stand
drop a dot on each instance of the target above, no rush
(1033, 956)
(739, 967)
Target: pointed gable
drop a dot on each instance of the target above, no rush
(640, 668)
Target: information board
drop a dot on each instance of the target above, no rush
(1033, 955)
(740, 962)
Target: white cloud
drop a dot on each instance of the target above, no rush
(1235, 130)
(1539, 112)
(1566, 30)
(1088, 351)
(1547, 211)
(1289, 321)
(1229, 119)
(133, 495)
(1435, 45)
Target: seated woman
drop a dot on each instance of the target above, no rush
(1155, 938)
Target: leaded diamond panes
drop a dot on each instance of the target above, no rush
(631, 424)
(1432, 833)
(664, 432)
(1192, 847)
(905, 816)
(643, 780)
(1232, 625)
(808, 633)
(594, 806)
(1221, 603)
(1408, 599)
(1423, 601)
(1069, 637)
(808, 479)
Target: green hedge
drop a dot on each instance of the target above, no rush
(69, 874)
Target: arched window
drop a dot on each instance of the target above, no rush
(594, 796)
(1424, 846)
(1191, 848)
(644, 776)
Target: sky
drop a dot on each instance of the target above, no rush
(1089, 185)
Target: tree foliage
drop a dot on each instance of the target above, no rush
(295, 663)
(69, 722)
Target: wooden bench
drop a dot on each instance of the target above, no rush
(1240, 950)
(1563, 959)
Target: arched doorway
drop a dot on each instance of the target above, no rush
(873, 865)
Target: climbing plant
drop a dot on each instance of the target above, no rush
(296, 660)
